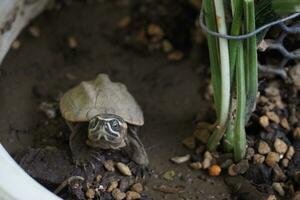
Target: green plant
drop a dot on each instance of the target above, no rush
(234, 64)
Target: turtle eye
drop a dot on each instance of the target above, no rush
(112, 128)
(115, 125)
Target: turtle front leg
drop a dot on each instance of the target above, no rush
(136, 150)
(82, 154)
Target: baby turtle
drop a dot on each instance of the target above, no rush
(113, 117)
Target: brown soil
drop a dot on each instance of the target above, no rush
(170, 94)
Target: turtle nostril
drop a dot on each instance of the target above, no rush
(110, 138)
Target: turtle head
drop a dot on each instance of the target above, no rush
(109, 127)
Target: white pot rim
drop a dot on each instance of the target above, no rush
(15, 183)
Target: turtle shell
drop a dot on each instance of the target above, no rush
(100, 96)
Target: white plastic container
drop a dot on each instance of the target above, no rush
(15, 183)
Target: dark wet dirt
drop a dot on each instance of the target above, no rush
(171, 94)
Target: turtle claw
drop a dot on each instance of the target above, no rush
(82, 164)
(141, 172)
(85, 160)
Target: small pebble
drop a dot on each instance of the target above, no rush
(208, 155)
(169, 175)
(239, 168)
(258, 159)
(124, 169)
(48, 109)
(294, 73)
(271, 197)
(118, 195)
(296, 133)
(278, 102)
(181, 159)
(72, 42)
(285, 124)
(272, 91)
(90, 193)
(131, 195)
(263, 100)
(290, 153)
(262, 46)
(34, 31)
(268, 107)
(155, 31)
(285, 162)
(202, 135)
(272, 159)
(124, 22)
(125, 183)
(250, 153)
(264, 121)
(88, 185)
(296, 196)
(167, 46)
(278, 188)
(273, 117)
(16, 44)
(263, 148)
(113, 185)
(278, 174)
(196, 165)
(280, 146)
(137, 187)
(109, 165)
(175, 56)
(214, 170)
(189, 142)
(206, 163)
(98, 178)
(232, 170)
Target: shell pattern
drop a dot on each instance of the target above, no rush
(100, 96)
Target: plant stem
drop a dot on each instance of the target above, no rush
(239, 131)
(251, 59)
(213, 54)
(237, 10)
(229, 134)
(225, 77)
